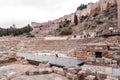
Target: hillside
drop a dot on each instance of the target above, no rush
(84, 45)
(98, 21)
(93, 18)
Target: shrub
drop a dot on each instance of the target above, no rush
(106, 12)
(95, 14)
(82, 18)
(58, 30)
(66, 23)
(60, 26)
(99, 22)
(111, 12)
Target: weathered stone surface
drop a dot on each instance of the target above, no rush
(14, 70)
(114, 61)
(90, 77)
(71, 76)
(44, 65)
(51, 76)
(33, 71)
(107, 60)
(24, 61)
(58, 70)
(118, 3)
(7, 57)
(77, 68)
(11, 74)
(81, 72)
(113, 65)
(100, 75)
(4, 78)
(99, 60)
(72, 70)
(55, 69)
(29, 72)
(111, 78)
(45, 70)
(91, 59)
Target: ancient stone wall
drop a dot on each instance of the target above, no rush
(118, 3)
(91, 9)
(35, 24)
(106, 3)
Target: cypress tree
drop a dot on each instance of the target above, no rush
(75, 19)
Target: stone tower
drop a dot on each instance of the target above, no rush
(118, 3)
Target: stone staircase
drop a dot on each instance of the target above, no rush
(62, 46)
(51, 45)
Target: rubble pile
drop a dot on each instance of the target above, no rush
(7, 58)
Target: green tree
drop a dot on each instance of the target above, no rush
(82, 6)
(75, 20)
(15, 31)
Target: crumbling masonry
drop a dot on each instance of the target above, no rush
(118, 3)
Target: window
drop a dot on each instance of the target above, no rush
(98, 54)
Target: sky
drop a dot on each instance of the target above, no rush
(23, 12)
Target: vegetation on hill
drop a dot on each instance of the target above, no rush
(111, 12)
(100, 21)
(82, 18)
(64, 28)
(15, 31)
(82, 6)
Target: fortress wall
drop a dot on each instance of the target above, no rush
(91, 9)
(118, 3)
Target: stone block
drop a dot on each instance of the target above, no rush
(101, 75)
(58, 70)
(90, 77)
(45, 70)
(71, 76)
(114, 61)
(81, 72)
(72, 70)
(116, 72)
(107, 60)
(99, 60)
(113, 65)
(44, 65)
(91, 59)
(111, 78)
(11, 75)
(77, 68)
(108, 70)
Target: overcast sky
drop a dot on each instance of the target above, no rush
(22, 12)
